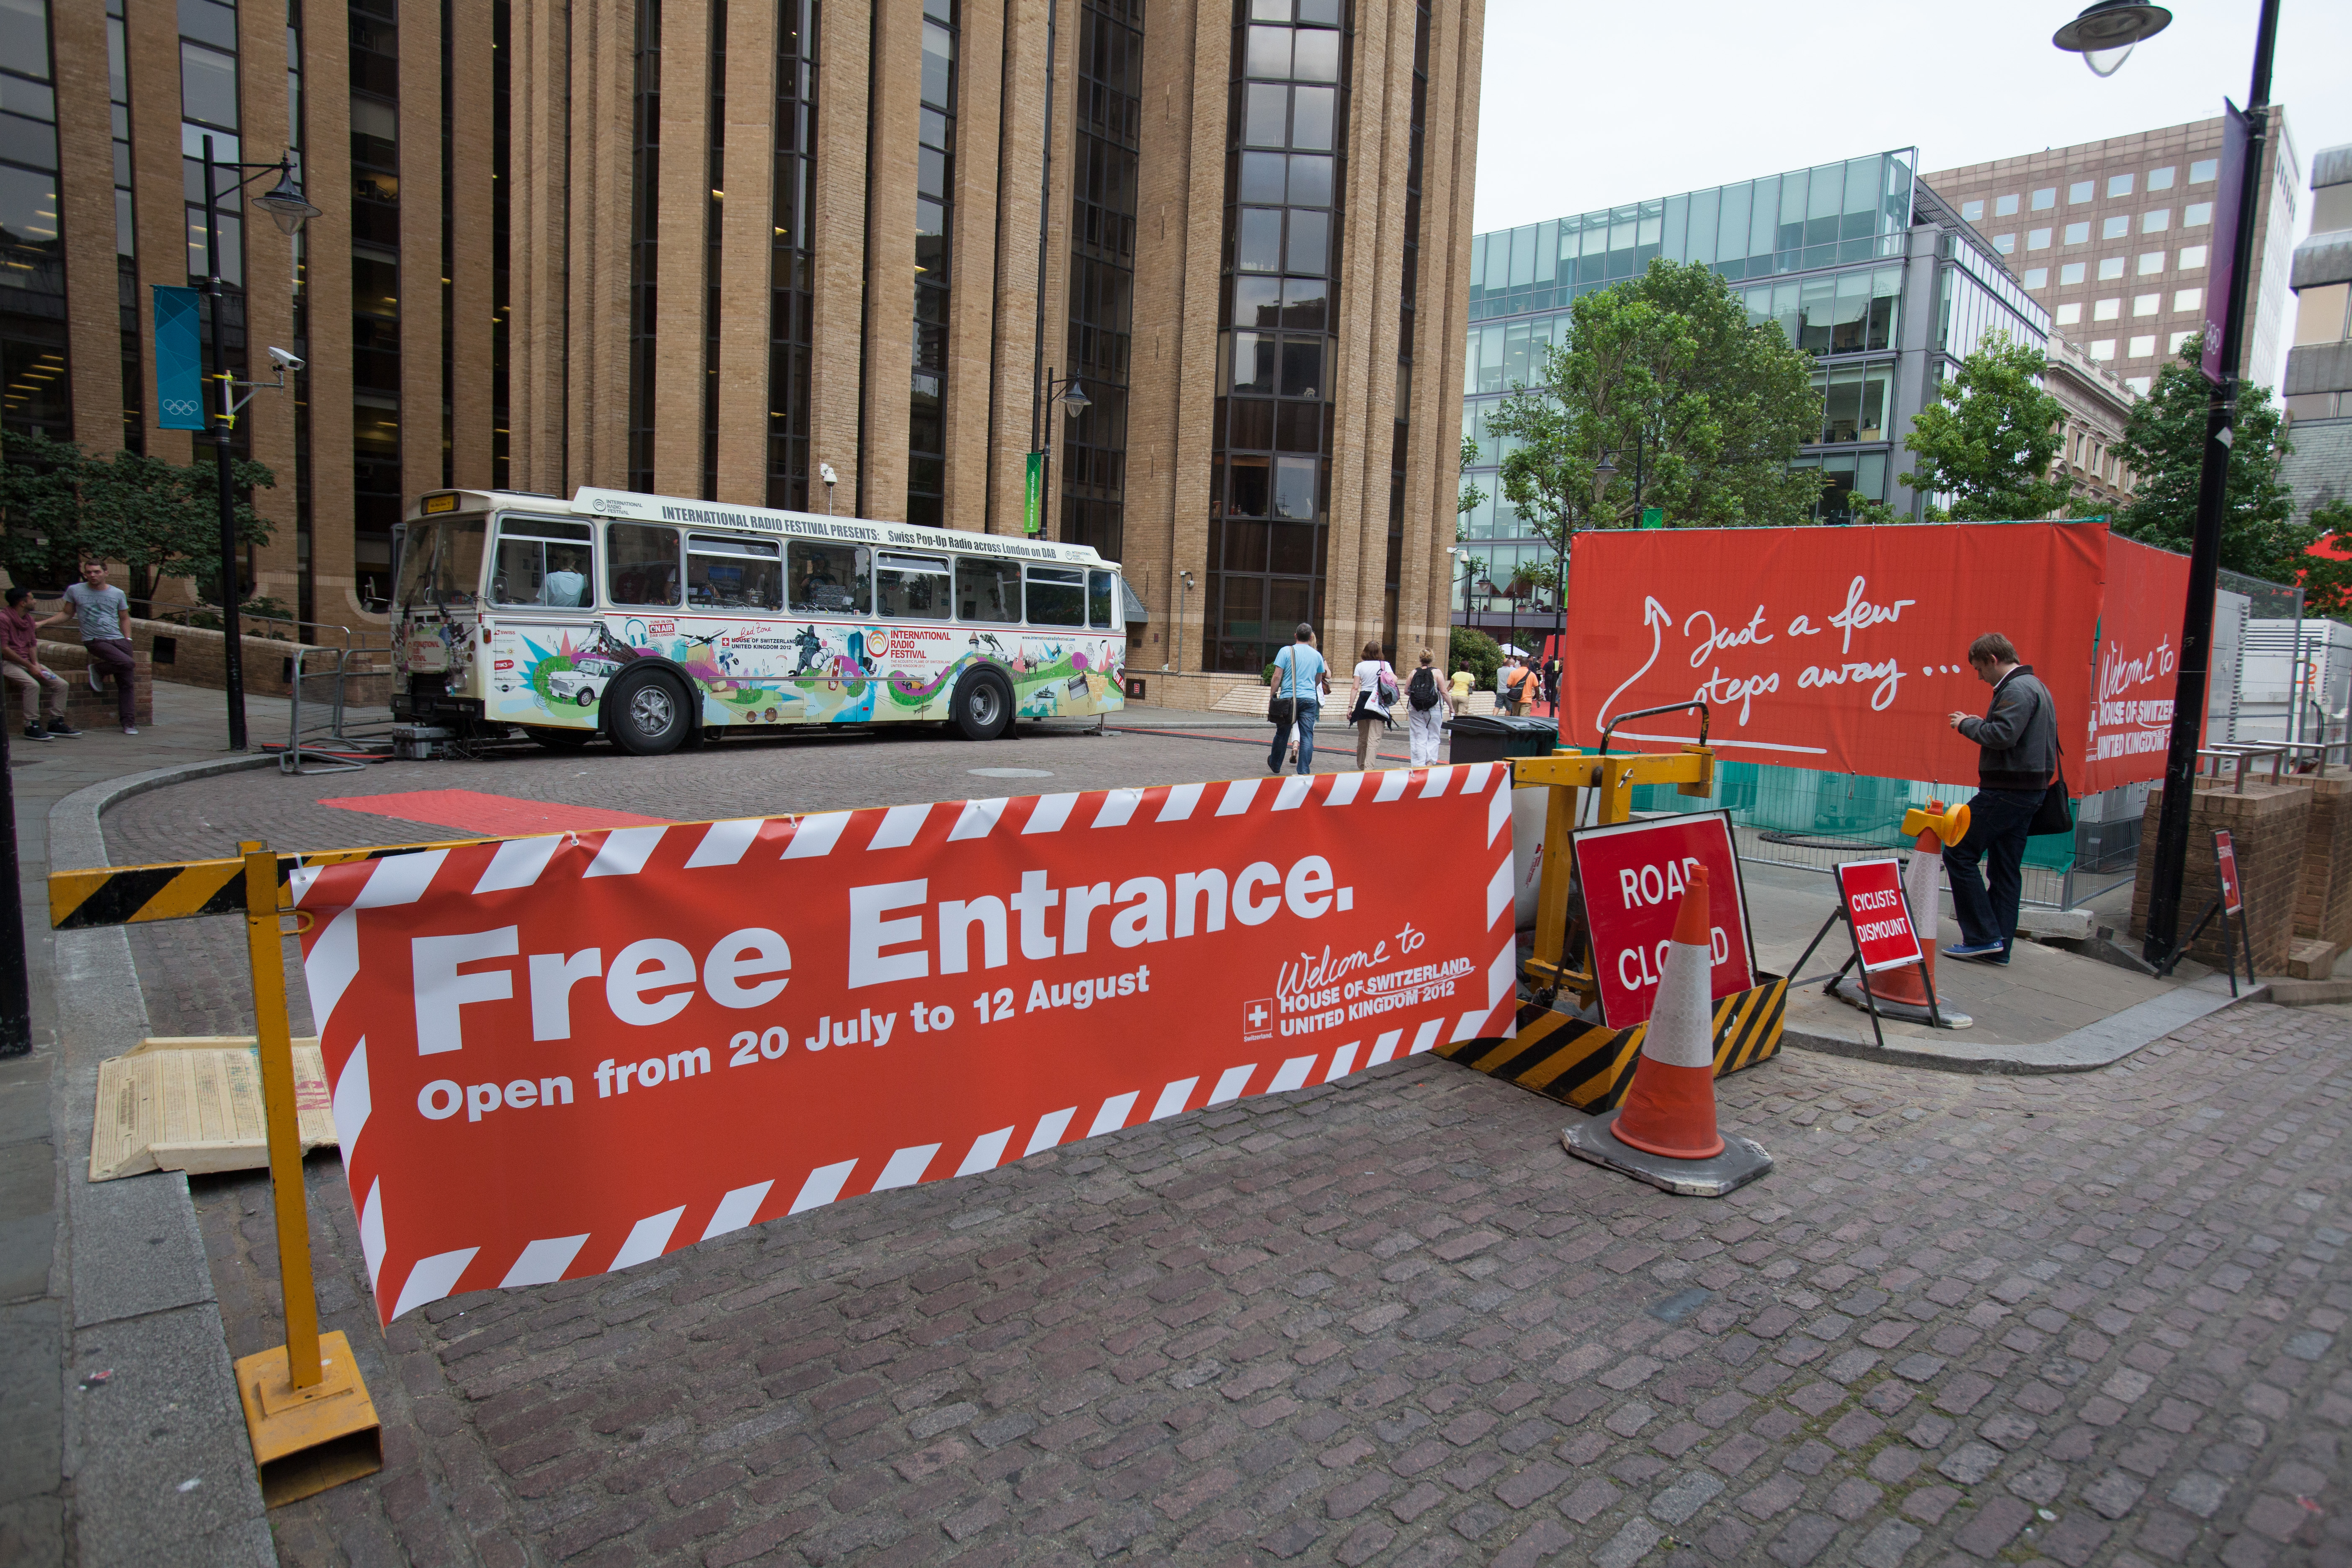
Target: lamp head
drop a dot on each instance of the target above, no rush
(2104, 33)
(284, 200)
(1075, 400)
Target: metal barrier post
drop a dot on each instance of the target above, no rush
(306, 1407)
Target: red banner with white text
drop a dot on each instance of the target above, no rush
(2138, 667)
(1842, 649)
(558, 1056)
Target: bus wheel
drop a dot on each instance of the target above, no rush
(983, 707)
(560, 739)
(647, 716)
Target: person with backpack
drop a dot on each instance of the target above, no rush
(1425, 711)
(1376, 695)
(1517, 687)
(1300, 679)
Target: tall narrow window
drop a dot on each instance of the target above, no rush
(645, 211)
(126, 231)
(1108, 113)
(1400, 442)
(376, 426)
(713, 260)
(209, 100)
(791, 307)
(501, 176)
(33, 385)
(926, 428)
(305, 519)
(1270, 486)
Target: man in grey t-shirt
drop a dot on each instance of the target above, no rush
(105, 615)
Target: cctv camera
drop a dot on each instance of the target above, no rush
(824, 471)
(286, 361)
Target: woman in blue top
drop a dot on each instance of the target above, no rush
(1300, 679)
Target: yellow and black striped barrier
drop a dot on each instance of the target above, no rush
(182, 889)
(1588, 1066)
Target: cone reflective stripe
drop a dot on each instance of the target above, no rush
(1922, 887)
(1670, 1108)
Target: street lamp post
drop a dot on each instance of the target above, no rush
(285, 205)
(1074, 402)
(1184, 602)
(2105, 35)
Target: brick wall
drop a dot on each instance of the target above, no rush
(85, 709)
(190, 655)
(2269, 826)
(2323, 907)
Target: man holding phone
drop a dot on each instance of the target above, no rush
(2017, 753)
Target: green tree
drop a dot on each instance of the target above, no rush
(1989, 440)
(1667, 365)
(1476, 652)
(159, 519)
(2165, 445)
(1471, 494)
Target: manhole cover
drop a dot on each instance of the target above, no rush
(1010, 773)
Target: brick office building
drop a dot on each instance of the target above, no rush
(704, 248)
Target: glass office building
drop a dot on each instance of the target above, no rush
(1858, 263)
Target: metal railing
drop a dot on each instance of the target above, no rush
(323, 739)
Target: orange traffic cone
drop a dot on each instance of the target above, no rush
(1664, 1133)
(1670, 1109)
(1903, 993)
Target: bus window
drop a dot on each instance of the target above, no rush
(542, 562)
(829, 579)
(1057, 597)
(1099, 592)
(440, 563)
(987, 590)
(914, 587)
(727, 573)
(641, 566)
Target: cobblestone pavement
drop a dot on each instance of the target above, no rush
(2083, 1320)
(2093, 1319)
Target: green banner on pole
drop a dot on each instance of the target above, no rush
(1654, 516)
(1033, 495)
(179, 370)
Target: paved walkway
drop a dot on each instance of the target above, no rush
(2095, 1319)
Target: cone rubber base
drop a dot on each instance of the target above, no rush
(1847, 992)
(1742, 1160)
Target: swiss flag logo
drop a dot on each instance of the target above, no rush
(1257, 1019)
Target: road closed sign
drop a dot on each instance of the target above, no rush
(1883, 935)
(1635, 875)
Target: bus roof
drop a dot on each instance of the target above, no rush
(685, 512)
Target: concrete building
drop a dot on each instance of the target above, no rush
(2098, 407)
(1858, 262)
(2319, 388)
(704, 248)
(2116, 240)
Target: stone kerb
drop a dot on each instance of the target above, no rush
(2324, 908)
(2269, 826)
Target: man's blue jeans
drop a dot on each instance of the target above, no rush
(1307, 710)
(1997, 819)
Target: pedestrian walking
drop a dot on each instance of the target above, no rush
(105, 616)
(1376, 696)
(1462, 684)
(1517, 687)
(1551, 685)
(20, 662)
(2016, 757)
(1300, 679)
(1425, 711)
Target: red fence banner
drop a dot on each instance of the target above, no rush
(1842, 649)
(2138, 667)
(1882, 934)
(558, 1056)
(1635, 875)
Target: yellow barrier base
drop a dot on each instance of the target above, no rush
(1588, 1066)
(306, 1440)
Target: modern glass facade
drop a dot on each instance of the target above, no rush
(1105, 146)
(33, 379)
(1269, 492)
(926, 413)
(1826, 254)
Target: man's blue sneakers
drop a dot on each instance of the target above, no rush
(1984, 952)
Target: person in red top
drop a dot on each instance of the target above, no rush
(20, 640)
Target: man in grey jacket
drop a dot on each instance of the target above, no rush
(2017, 743)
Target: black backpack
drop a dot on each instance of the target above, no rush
(1423, 690)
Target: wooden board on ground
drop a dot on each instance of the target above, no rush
(194, 1104)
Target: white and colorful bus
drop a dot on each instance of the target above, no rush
(646, 618)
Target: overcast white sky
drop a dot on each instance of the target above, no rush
(1587, 105)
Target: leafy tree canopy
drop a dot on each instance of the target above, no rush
(1476, 652)
(1667, 365)
(2165, 443)
(59, 504)
(1990, 439)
